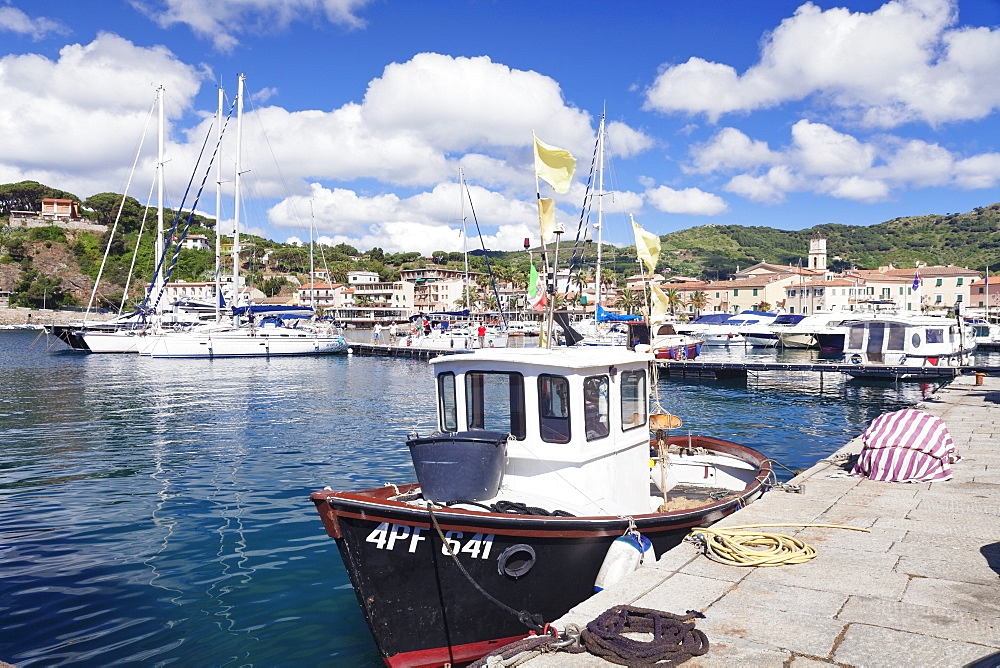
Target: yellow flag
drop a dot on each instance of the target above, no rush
(658, 309)
(554, 165)
(547, 218)
(647, 246)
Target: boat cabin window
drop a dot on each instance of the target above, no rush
(634, 399)
(915, 340)
(553, 408)
(855, 335)
(595, 406)
(934, 335)
(494, 400)
(897, 337)
(447, 408)
(666, 330)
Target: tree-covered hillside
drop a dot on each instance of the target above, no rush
(59, 266)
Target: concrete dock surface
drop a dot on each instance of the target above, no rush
(922, 589)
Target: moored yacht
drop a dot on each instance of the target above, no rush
(901, 347)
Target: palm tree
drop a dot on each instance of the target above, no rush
(674, 300)
(629, 301)
(698, 301)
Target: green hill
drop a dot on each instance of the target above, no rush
(60, 266)
(964, 239)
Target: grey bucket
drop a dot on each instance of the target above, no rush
(460, 465)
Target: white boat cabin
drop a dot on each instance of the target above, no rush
(578, 420)
(909, 341)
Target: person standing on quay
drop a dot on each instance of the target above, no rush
(377, 332)
(481, 332)
(392, 333)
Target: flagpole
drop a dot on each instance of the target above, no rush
(545, 260)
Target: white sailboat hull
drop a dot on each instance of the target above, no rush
(122, 341)
(268, 342)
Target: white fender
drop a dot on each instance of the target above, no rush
(625, 555)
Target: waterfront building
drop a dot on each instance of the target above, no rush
(369, 300)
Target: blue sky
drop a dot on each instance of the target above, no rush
(360, 113)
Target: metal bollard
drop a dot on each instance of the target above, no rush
(979, 377)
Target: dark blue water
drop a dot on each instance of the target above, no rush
(156, 512)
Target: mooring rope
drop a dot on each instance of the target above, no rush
(532, 621)
(734, 547)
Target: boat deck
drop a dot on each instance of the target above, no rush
(921, 589)
(741, 369)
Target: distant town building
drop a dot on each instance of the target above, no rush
(196, 242)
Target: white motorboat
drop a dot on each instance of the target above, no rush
(900, 347)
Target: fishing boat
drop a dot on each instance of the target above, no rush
(539, 464)
(907, 347)
(668, 344)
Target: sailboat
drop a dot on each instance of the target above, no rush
(119, 335)
(245, 336)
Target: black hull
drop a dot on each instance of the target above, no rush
(831, 343)
(71, 336)
(423, 611)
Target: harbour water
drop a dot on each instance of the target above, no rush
(156, 512)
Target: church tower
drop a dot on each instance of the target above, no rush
(817, 253)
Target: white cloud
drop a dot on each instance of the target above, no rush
(821, 150)
(222, 21)
(458, 104)
(425, 222)
(902, 62)
(770, 187)
(16, 21)
(981, 171)
(96, 101)
(689, 201)
(626, 142)
(917, 164)
(730, 149)
(855, 188)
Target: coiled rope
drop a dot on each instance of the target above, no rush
(736, 547)
(674, 637)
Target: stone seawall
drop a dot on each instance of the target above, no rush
(20, 316)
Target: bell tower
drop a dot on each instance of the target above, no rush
(817, 252)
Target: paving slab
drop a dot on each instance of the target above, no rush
(921, 589)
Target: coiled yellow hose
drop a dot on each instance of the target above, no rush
(732, 546)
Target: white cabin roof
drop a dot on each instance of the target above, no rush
(569, 358)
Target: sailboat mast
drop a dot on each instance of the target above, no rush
(312, 266)
(600, 213)
(218, 212)
(236, 188)
(465, 239)
(159, 250)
